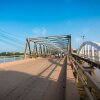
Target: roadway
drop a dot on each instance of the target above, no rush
(32, 79)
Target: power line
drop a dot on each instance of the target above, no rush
(11, 35)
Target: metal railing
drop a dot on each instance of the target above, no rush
(89, 61)
(83, 74)
(4, 59)
(93, 58)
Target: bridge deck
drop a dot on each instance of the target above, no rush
(40, 79)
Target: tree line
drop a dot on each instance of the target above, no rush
(11, 53)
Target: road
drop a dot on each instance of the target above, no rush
(32, 79)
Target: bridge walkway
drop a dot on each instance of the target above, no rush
(33, 79)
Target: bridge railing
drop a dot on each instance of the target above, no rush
(83, 75)
(93, 58)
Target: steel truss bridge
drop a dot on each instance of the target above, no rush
(47, 45)
(82, 63)
(28, 79)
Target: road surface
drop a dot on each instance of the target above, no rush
(32, 79)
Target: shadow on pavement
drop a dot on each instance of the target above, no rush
(22, 86)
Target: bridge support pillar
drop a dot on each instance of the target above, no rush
(82, 51)
(85, 50)
(88, 50)
(92, 52)
(98, 55)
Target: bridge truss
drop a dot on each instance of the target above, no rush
(47, 45)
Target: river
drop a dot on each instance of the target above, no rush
(9, 59)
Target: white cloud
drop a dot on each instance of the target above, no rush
(78, 40)
(39, 31)
(44, 31)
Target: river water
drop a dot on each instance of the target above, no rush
(9, 59)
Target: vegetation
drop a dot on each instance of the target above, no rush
(11, 53)
(74, 51)
(55, 53)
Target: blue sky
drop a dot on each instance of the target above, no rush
(20, 19)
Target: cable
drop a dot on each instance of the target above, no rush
(11, 35)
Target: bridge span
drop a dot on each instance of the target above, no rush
(51, 71)
(36, 79)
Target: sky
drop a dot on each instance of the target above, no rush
(20, 19)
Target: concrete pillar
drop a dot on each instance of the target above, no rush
(85, 50)
(88, 51)
(98, 55)
(92, 52)
(82, 51)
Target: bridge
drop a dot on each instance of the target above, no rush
(52, 71)
(91, 50)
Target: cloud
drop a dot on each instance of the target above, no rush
(44, 31)
(39, 31)
(78, 40)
